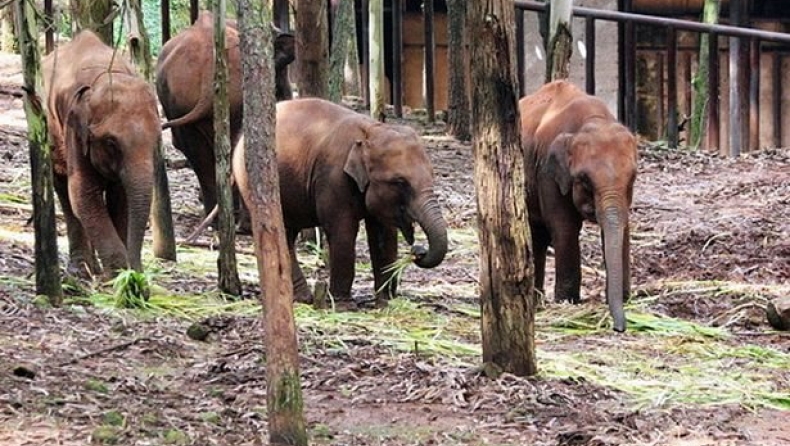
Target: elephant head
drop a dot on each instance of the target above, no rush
(113, 126)
(391, 168)
(597, 166)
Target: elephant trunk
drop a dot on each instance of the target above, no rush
(138, 186)
(614, 227)
(427, 213)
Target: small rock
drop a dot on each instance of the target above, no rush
(25, 371)
(198, 331)
(778, 313)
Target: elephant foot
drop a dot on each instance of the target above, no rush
(348, 304)
(83, 269)
(576, 300)
(304, 297)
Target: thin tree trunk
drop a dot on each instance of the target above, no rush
(376, 58)
(506, 275)
(46, 246)
(312, 48)
(352, 75)
(343, 32)
(284, 392)
(226, 263)
(458, 110)
(7, 33)
(96, 15)
(164, 244)
(558, 53)
(710, 14)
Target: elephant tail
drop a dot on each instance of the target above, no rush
(201, 110)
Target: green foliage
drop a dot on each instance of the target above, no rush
(131, 289)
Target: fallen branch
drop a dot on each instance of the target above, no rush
(213, 246)
(109, 349)
(203, 225)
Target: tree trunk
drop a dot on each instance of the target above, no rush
(96, 15)
(376, 58)
(312, 48)
(353, 82)
(343, 32)
(262, 195)
(226, 228)
(46, 247)
(458, 110)
(164, 244)
(506, 277)
(710, 14)
(560, 48)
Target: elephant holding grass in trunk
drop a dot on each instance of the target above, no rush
(581, 165)
(104, 123)
(338, 167)
(185, 84)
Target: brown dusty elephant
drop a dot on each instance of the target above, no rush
(104, 123)
(185, 76)
(581, 165)
(338, 167)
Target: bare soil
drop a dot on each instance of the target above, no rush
(66, 374)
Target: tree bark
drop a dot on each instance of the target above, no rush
(46, 246)
(7, 32)
(458, 110)
(343, 33)
(164, 243)
(226, 228)
(506, 276)
(376, 58)
(96, 15)
(560, 48)
(710, 14)
(312, 48)
(284, 393)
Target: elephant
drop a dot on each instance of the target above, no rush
(581, 165)
(338, 167)
(103, 120)
(185, 75)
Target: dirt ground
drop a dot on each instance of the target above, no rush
(79, 375)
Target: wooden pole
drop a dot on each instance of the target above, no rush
(739, 84)
(193, 10)
(429, 60)
(366, 51)
(754, 95)
(397, 57)
(712, 127)
(672, 88)
(589, 62)
(49, 26)
(376, 58)
(165, 13)
(776, 98)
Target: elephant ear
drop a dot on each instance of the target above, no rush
(557, 163)
(77, 119)
(355, 166)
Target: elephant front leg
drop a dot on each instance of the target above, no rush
(567, 265)
(383, 244)
(87, 197)
(82, 260)
(540, 244)
(341, 237)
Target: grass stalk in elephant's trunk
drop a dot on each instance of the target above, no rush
(613, 226)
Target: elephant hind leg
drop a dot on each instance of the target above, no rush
(82, 258)
(302, 292)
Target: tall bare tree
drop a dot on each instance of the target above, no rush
(343, 33)
(560, 43)
(710, 14)
(312, 47)
(164, 244)
(262, 195)
(96, 15)
(46, 246)
(506, 276)
(376, 58)
(458, 109)
(226, 263)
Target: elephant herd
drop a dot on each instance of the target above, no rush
(337, 167)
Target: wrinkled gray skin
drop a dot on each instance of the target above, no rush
(337, 168)
(184, 82)
(104, 123)
(581, 165)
